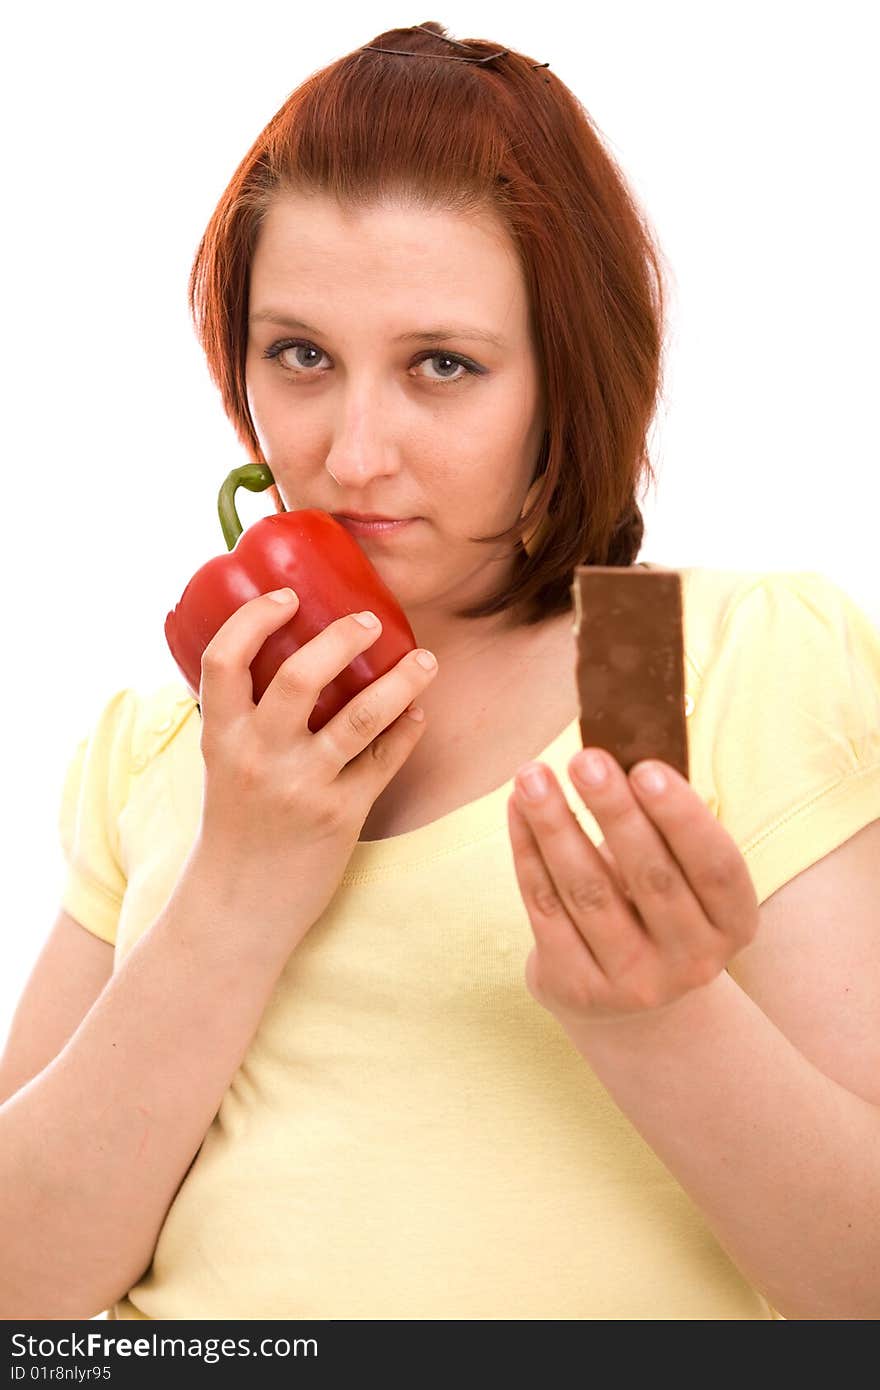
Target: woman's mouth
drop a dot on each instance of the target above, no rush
(374, 528)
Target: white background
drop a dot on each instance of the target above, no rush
(749, 133)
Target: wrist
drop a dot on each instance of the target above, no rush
(649, 1028)
(247, 914)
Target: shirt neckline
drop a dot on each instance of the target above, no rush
(464, 825)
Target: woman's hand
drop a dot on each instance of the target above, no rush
(283, 807)
(627, 928)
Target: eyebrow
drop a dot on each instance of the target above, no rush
(419, 335)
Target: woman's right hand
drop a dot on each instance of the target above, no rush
(283, 807)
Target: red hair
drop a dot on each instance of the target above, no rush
(507, 137)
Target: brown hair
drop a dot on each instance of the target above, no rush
(509, 137)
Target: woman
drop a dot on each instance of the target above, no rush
(392, 1033)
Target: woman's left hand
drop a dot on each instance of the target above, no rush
(631, 926)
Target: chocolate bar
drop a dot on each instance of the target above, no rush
(629, 631)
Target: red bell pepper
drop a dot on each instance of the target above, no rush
(314, 555)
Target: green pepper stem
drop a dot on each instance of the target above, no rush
(256, 477)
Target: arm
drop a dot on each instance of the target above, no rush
(764, 1104)
(783, 1161)
(65, 980)
(94, 1148)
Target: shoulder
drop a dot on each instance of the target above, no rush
(132, 725)
(785, 728)
(159, 715)
(718, 592)
(804, 609)
(788, 645)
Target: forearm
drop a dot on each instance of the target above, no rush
(783, 1162)
(94, 1148)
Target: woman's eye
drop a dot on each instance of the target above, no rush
(457, 362)
(281, 351)
(296, 365)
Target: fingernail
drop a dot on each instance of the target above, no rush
(282, 595)
(366, 619)
(534, 783)
(591, 768)
(649, 778)
(426, 659)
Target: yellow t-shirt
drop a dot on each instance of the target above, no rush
(410, 1135)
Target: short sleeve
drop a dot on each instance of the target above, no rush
(789, 711)
(95, 789)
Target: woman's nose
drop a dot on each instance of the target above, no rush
(362, 448)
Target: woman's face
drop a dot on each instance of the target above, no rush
(388, 403)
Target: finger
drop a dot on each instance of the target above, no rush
(356, 735)
(611, 866)
(292, 693)
(661, 895)
(707, 854)
(369, 773)
(560, 946)
(226, 688)
(595, 906)
(684, 872)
